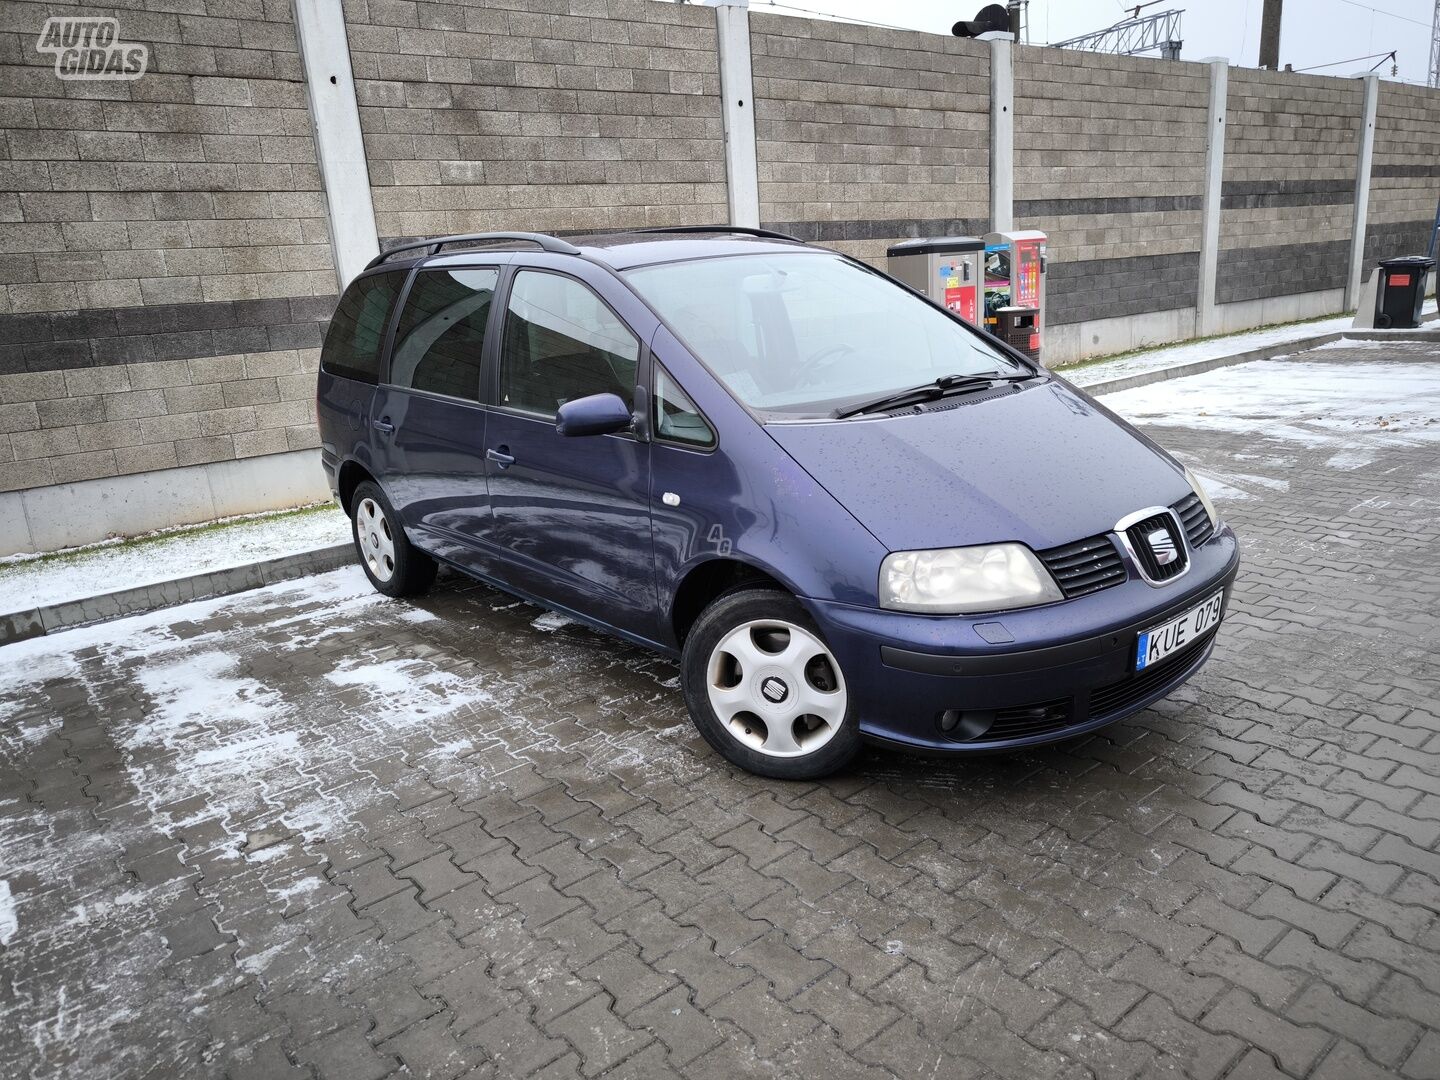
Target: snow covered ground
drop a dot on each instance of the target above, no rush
(28, 581)
(260, 736)
(1333, 400)
(1191, 352)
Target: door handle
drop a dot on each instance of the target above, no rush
(384, 426)
(501, 457)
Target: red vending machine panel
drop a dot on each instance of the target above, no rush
(1026, 280)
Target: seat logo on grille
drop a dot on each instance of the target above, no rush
(1163, 546)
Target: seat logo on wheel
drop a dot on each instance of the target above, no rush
(774, 690)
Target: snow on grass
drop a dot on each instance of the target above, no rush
(34, 581)
(1088, 373)
(1350, 407)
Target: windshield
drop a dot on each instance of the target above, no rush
(809, 332)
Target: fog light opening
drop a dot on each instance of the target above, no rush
(966, 725)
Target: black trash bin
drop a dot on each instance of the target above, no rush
(1016, 327)
(1401, 291)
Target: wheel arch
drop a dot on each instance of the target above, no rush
(707, 581)
(352, 474)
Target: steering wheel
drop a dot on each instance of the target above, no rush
(818, 362)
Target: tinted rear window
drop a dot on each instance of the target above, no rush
(357, 330)
(441, 334)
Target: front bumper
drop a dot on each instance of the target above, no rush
(1068, 669)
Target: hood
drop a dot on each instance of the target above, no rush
(1044, 466)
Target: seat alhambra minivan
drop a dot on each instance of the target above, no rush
(846, 512)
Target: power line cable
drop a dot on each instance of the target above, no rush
(1382, 11)
(835, 18)
(1352, 60)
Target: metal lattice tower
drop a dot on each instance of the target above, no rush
(1435, 47)
(1159, 32)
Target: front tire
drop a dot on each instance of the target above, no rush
(765, 690)
(394, 566)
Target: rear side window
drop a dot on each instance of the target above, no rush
(562, 343)
(357, 329)
(441, 335)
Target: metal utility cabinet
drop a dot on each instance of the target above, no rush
(947, 269)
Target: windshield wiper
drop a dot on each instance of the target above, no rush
(931, 391)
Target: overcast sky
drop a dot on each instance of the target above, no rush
(1313, 31)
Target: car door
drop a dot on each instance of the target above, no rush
(571, 515)
(429, 422)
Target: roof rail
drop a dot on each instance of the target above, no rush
(544, 241)
(768, 234)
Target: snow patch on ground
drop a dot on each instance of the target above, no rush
(408, 692)
(1350, 345)
(82, 572)
(218, 745)
(1191, 352)
(1349, 407)
(1350, 459)
(9, 921)
(552, 620)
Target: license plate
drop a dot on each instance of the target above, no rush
(1161, 641)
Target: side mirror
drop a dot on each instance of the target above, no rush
(598, 414)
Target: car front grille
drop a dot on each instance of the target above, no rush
(1054, 717)
(1086, 566)
(1118, 695)
(1025, 720)
(1195, 520)
(1147, 555)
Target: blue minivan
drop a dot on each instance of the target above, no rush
(848, 513)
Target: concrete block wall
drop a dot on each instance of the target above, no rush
(1110, 163)
(167, 267)
(1405, 175)
(865, 135)
(1288, 192)
(562, 116)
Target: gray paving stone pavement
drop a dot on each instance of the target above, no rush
(308, 831)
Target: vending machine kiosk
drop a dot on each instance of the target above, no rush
(1015, 288)
(947, 269)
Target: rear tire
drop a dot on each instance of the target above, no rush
(394, 565)
(765, 690)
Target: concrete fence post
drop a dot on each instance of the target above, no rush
(1206, 309)
(1362, 190)
(339, 146)
(737, 96)
(1002, 135)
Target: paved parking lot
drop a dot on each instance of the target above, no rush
(308, 831)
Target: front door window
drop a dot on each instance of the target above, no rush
(561, 343)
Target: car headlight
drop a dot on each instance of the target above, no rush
(1199, 489)
(958, 581)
